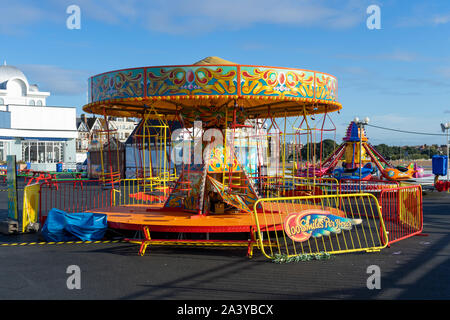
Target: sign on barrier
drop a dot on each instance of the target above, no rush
(329, 224)
(402, 211)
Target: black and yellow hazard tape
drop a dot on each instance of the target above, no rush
(18, 244)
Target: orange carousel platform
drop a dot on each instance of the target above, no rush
(160, 219)
(156, 218)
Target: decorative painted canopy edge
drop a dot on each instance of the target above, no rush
(258, 91)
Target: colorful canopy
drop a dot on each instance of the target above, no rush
(211, 87)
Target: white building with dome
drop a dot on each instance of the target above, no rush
(37, 134)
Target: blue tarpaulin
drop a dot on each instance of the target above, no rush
(64, 226)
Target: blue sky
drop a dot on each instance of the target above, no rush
(398, 76)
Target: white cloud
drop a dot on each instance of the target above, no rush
(16, 17)
(107, 11)
(402, 56)
(204, 16)
(57, 80)
(353, 70)
(208, 15)
(443, 71)
(395, 55)
(441, 19)
(425, 13)
(191, 17)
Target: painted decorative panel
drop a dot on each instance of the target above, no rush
(326, 87)
(192, 80)
(118, 84)
(262, 81)
(233, 80)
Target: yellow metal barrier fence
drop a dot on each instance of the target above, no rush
(328, 186)
(143, 190)
(312, 225)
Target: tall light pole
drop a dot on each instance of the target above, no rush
(360, 124)
(444, 127)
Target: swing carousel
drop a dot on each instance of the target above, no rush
(213, 141)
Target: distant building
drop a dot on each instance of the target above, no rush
(83, 134)
(124, 126)
(37, 134)
(88, 129)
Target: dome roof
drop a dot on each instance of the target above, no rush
(10, 72)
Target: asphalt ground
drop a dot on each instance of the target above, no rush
(414, 268)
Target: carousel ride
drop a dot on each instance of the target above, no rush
(211, 150)
(214, 191)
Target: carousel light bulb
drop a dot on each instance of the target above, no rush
(366, 120)
(356, 120)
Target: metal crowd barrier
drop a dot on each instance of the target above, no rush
(329, 224)
(73, 196)
(374, 187)
(84, 195)
(141, 191)
(327, 217)
(402, 211)
(273, 186)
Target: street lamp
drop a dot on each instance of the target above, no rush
(360, 124)
(444, 127)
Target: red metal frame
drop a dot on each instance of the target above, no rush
(250, 243)
(180, 229)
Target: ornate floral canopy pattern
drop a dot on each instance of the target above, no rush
(254, 91)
